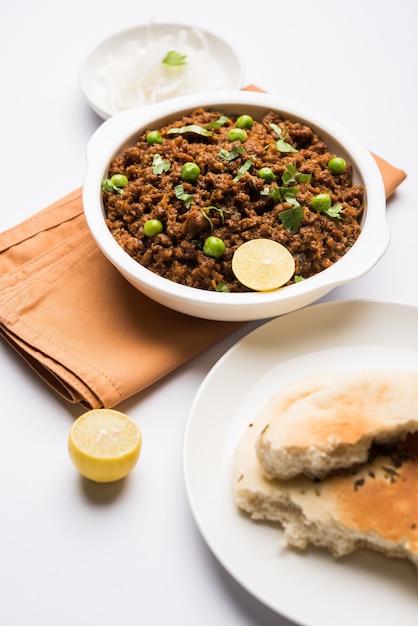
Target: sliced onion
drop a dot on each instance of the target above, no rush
(136, 74)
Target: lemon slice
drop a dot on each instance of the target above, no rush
(104, 445)
(263, 264)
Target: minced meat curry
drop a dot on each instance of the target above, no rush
(244, 179)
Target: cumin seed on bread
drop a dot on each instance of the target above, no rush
(374, 505)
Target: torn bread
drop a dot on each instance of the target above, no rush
(373, 506)
(336, 426)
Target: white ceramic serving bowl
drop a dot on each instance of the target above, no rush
(155, 36)
(121, 130)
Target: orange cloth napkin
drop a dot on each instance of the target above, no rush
(81, 326)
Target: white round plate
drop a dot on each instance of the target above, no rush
(220, 65)
(311, 587)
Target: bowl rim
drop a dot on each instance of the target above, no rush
(90, 62)
(111, 137)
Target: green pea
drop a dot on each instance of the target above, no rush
(266, 174)
(337, 165)
(190, 172)
(154, 136)
(237, 134)
(213, 247)
(244, 121)
(321, 202)
(152, 227)
(119, 180)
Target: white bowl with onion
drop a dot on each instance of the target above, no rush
(153, 62)
(121, 130)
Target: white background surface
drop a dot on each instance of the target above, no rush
(75, 553)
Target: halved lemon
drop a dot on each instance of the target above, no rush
(263, 264)
(104, 445)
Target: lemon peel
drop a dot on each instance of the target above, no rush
(263, 264)
(104, 445)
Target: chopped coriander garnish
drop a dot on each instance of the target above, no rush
(281, 144)
(174, 58)
(297, 278)
(292, 218)
(292, 175)
(322, 203)
(244, 168)
(108, 185)
(335, 211)
(280, 194)
(221, 121)
(158, 165)
(187, 198)
(212, 208)
(222, 287)
(230, 155)
(290, 198)
(190, 128)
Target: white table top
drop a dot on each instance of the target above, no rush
(73, 553)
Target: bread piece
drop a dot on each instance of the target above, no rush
(374, 506)
(336, 426)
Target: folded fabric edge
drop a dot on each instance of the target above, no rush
(65, 384)
(51, 216)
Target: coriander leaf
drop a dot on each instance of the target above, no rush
(222, 287)
(303, 178)
(289, 175)
(221, 121)
(230, 155)
(190, 128)
(274, 194)
(187, 198)
(297, 278)
(107, 185)
(281, 144)
(292, 218)
(290, 198)
(334, 211)
(158, 165)
(292, 175)
(212, 208)
(244, 168)
(276, 129)
(280, 194)
(174, 58)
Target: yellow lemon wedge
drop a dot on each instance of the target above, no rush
(263, 264)
(104, 445)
